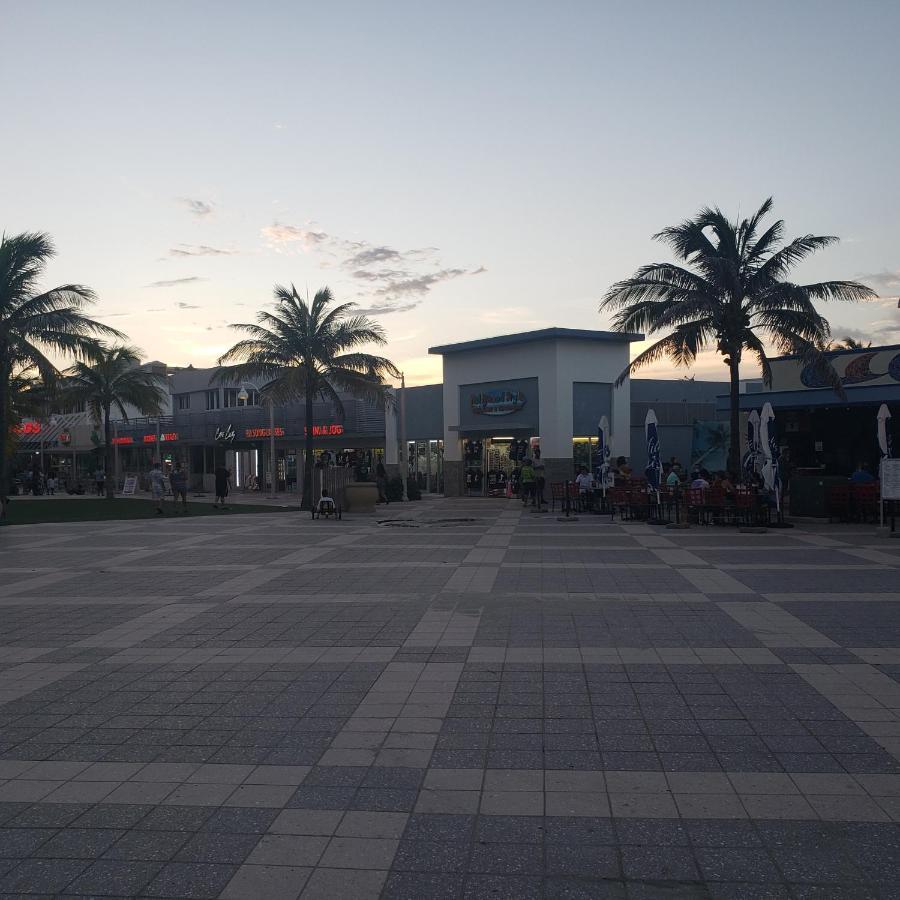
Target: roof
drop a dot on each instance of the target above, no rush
(542, 334)
(842, 352)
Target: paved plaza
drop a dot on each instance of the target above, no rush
(468, 700)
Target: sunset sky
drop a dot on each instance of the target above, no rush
(459, 170)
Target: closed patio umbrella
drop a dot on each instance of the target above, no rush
(603, 451)
(768, 439)
(752, 454)
(654, 467)
(884, 433)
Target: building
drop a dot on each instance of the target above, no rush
(820, 431)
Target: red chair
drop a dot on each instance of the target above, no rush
(837, 502)
(696, 503)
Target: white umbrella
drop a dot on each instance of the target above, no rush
(603, 451)
(769, 444)
(654, 467)
(884, 436)
(752, 443)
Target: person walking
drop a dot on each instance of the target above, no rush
(157, 486)
(223, 477)
(179, 481)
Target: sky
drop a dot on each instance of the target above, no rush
(458, 170)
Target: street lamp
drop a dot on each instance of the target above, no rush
(243, 396)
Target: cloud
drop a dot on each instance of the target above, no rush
(510, 315)
(382, 275)
(200, 250)
(172, 282)
(111, 315)
(182, 305)
(420, 284)
(886, 280)
(384, 308)
(198, 208)
(279, 235)
(372, 255)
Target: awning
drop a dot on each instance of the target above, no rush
(47, 431)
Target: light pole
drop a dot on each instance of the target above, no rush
(404, 447)
(244, 396)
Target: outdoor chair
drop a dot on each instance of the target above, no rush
(557, 494)
(697, 505)
(837, 502)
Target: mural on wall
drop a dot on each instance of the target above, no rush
(709, 445)
(854, 369)
(497, 402)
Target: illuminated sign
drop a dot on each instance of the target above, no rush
(224, 435)
(165, 436)
(123, 441)
(326, 430)
(65, 438)
(497, 403)
(263, 432)
(27, 428)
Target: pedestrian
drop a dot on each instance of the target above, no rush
(100, 481)
(157, 486)
(179, 481)
(527, 480)
(540, 477)
(381, 482)
(51, 484)
(223, 478)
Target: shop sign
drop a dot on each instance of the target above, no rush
(27, 428)
(224, 434)
(65, 438)
(122, 441)
(499, 402)
(165, 436)
(326, 430)
(263, 432)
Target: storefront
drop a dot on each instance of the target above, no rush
(507, 397)
(823, 437)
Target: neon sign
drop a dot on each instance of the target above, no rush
(165, 436)
(263, 432)
(326, 430)
(122, 441)
(27, 428)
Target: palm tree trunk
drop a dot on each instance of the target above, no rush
(108, 455)
(734, 444)
(308, 502)
(4, 431)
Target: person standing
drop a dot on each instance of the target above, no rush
(100, 481)
(157, 486)
(179, 481)
(540, 477)
(527, 479)
(223, 477)
(381, 482)
(51, 484)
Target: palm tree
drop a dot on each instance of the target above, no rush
(309, 351)
(34, 323)
(731, 296)
(849, 343)
(111, 380)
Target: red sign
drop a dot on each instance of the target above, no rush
(123, 441)
(65, 438)
(263, 432)
(326, 430)
(165, 436)
(27, 428)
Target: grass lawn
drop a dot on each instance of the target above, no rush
(31, 512)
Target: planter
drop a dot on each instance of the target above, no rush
(360, 496)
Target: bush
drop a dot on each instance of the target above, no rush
(394, 489)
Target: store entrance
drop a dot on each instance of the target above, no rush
(491, 465)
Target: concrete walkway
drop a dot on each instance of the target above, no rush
(449, 699)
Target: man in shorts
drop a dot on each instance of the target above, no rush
(178, 479)
(157, 487)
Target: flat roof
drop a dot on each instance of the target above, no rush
(542, 334)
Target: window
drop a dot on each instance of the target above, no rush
(183, 400)
(232, 397)
(212, 399)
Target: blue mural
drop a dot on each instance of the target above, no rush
(858, 371)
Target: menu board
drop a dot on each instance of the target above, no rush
(890, 479)
(130, 484)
